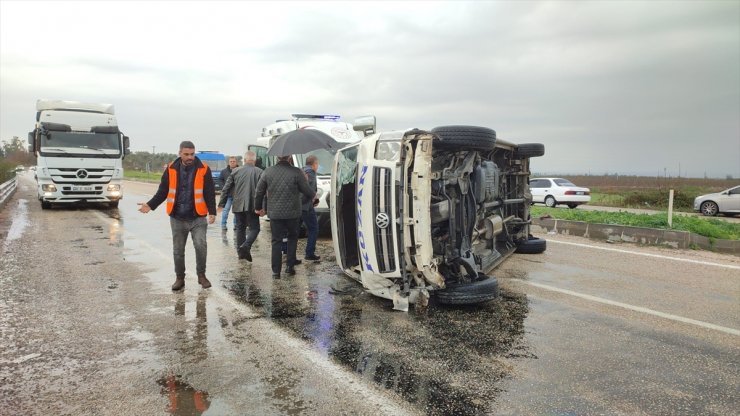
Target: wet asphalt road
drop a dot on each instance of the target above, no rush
(88, 325)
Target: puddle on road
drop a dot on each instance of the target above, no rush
(444, 360)
(19, 224)
(183, 399)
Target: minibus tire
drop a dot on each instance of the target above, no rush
(464, 138)
(532, 245)
(526, 150)
(470, 293)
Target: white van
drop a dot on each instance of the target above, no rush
(417, 213)
(341, 131)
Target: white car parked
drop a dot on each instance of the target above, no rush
(554, 191)
(726, 202)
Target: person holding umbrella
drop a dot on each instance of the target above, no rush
(285, 184)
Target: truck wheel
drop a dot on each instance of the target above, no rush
(113, 204)
(469, 293)
(550, 201)
(526, 150)
(465, 137)
(45, 205)
(532, 245)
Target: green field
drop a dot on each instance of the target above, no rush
(647, 191)
(142, 176)
(707, 227)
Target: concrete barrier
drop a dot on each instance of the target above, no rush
(7, 189)
(639, 235)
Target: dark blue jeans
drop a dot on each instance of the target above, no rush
(280, 228)
(312, 230)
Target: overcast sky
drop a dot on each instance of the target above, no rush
(608, 87)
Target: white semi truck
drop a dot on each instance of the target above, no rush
(79, 153)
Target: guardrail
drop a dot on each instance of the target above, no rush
(7, 189)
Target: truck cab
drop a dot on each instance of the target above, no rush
(332, 125)
(79, 151)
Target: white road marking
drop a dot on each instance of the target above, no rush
(705, 263)
(342, 376)
(634, 308)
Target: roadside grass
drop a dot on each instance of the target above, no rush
(707, 227)
(7, 171)
(142, 176)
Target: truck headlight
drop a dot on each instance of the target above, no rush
(114, 188)
(48, 188)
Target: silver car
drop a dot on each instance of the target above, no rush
(725, 202)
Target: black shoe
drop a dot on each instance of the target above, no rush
(313, 258)
(290, 271)
(244, 254)
(276, 275)
(297, 262)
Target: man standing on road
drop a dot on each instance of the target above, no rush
(188, 188)
(241, 184)
(308, 213)
(225, 174)
(285, 184)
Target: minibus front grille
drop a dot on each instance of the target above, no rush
(383, 217)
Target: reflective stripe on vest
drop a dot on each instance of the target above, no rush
(200, 203)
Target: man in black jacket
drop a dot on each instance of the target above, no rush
(187, 186)
(285, 184)
(308, 213)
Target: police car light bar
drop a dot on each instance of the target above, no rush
(316, 116)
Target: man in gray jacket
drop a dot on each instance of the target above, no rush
(285, 184)
(240, 187)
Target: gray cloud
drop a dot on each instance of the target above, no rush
(628, 87)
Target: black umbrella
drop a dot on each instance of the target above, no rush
(302, 141)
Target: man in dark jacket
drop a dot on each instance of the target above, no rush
(223, 177)
(285, 184)
(308, 213)
(188, 188)
(241, 185)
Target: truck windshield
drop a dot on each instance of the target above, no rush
(346, 166)
(108, 142)
(326, 159)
